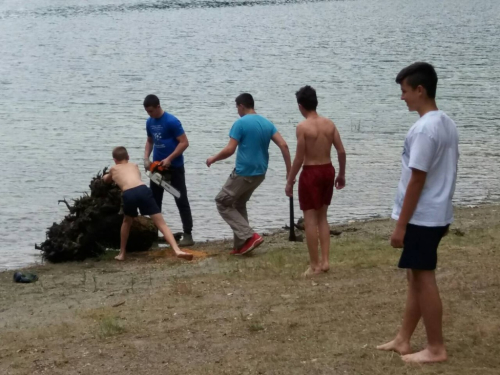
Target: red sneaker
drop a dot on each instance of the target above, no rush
(251, 244)
(235, 252)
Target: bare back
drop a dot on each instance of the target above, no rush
(126, 175)
(319, 134)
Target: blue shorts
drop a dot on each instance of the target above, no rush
(140, 198)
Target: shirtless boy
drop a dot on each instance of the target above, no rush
(315, 136)
(137, 195)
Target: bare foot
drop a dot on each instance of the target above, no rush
(183, 255)
(120, 256)
(426, 356)
(325, 267)
(310, 272)
(396, 345)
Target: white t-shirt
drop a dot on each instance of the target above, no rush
(431, 145)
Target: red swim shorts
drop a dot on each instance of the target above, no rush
(316, 184)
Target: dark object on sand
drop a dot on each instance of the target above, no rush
(458, 232)
(93, 224)
(25, 278)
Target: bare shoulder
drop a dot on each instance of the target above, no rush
(301, 127)
(327, 121)
(333, 126)
(302, 124)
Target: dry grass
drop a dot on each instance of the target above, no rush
(253, 315)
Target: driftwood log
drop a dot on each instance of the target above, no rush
(93, 225)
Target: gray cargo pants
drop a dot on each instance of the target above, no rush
(232, 204)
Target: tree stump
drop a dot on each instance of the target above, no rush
(93, 224)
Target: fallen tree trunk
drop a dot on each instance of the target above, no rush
(93, 225)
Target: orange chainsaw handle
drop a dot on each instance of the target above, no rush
(156, 167)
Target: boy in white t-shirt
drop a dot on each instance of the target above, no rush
(423, 210)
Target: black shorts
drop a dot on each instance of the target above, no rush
(140, 198)
(420, 247)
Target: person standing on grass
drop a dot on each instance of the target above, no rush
(168, 141)
(251, 135)
(423, 210)
(315, 137)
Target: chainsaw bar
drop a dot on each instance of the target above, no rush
(158, 180)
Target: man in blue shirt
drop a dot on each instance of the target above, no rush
(167, 140)
(251, 135)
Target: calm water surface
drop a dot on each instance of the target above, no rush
(73, 76)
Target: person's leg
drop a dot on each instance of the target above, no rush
(124, 233)
(432, 314)
(311, 227)
(234, 188)
(157, 193)
(412, 314)
(241, 206)
(179, 182)
(324, 238)
(169, 237)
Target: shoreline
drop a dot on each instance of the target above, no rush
(266, 233)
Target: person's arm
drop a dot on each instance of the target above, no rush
(280, 142)
(148, 148)
(412, 195)
(297, 162)
(423, 150)
(108, 178)
(181, 147)
(337, 143)
(225, 153)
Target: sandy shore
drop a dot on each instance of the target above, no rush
(155, 314)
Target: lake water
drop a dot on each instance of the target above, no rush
(73, 76)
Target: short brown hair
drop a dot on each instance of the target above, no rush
(120, 153)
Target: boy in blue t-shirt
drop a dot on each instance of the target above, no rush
(251, 135)
(167, 140)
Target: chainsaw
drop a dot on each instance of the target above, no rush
(161, 177)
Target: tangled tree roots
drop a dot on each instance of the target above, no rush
(93, 224)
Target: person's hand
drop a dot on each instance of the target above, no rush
(289, 189)
(340, 182)
(166, 163)
(210, 161)
(398, 236)
(147, 164)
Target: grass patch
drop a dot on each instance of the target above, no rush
(108, 255)
(110, 326)
(255, 327)
(256, 314)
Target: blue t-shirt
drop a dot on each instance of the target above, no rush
(253, 133)
(165, 131)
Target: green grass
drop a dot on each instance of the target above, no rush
(110, 326)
